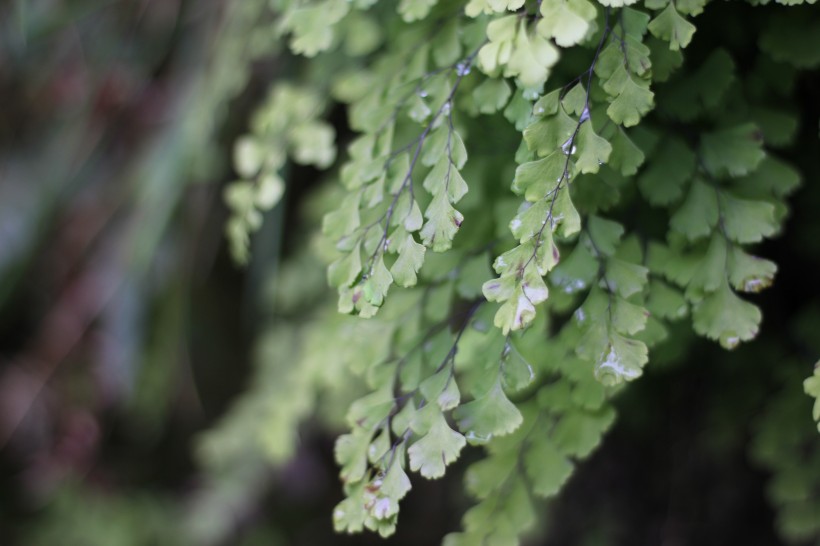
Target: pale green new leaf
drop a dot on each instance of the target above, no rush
(566, 21)
(531, 60)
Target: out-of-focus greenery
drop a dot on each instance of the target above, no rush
(148, 393)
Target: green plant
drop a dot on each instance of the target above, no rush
(535, 193)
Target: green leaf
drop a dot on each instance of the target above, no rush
(269, 190)
(417, 109)
(475, 8)
(724, 317)
(632, 101)
(622, 360)
(442, 389)
(312, 26)
(669, 25)
(662, 181)
(576, 271)
(594, 150)
(548, 104)
(566, 215)
(472, 276)
(701, 90)
(749, 273)
(792, 40)
(628, 318)
(666, 302)
(604, 235)
(617, 3)
(626, 156)
(710, 272)
(516, 372)
(487, 475)
(736, 151)
(536, 180)
(531, 60)
(389, 490)
(413, 221)
(579, 432)
(345, 219)
(445, 177)
(447, 45)
(349, 515)
(497, 520)
(519, 309)
(377, 283)
(492, 95)
(519, 111)
(547, 467)
(566, 21)
(747, 221)
(410, 260)
(664, 60)
(624, 278)
(379, 446)
(439, 447)
(530, 220)
(634, 21)
(313, 144)
(248, 155)
(488, 416)
(414, 10)
(442, 223)
(351, 454)
(345, 270)
(772, 177)
(698, 214)
(547, 134)
(575, 100)
(370, 410)
(811, 386)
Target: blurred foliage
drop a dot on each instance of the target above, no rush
(132, 411)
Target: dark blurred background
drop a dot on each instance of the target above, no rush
(126, 331)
